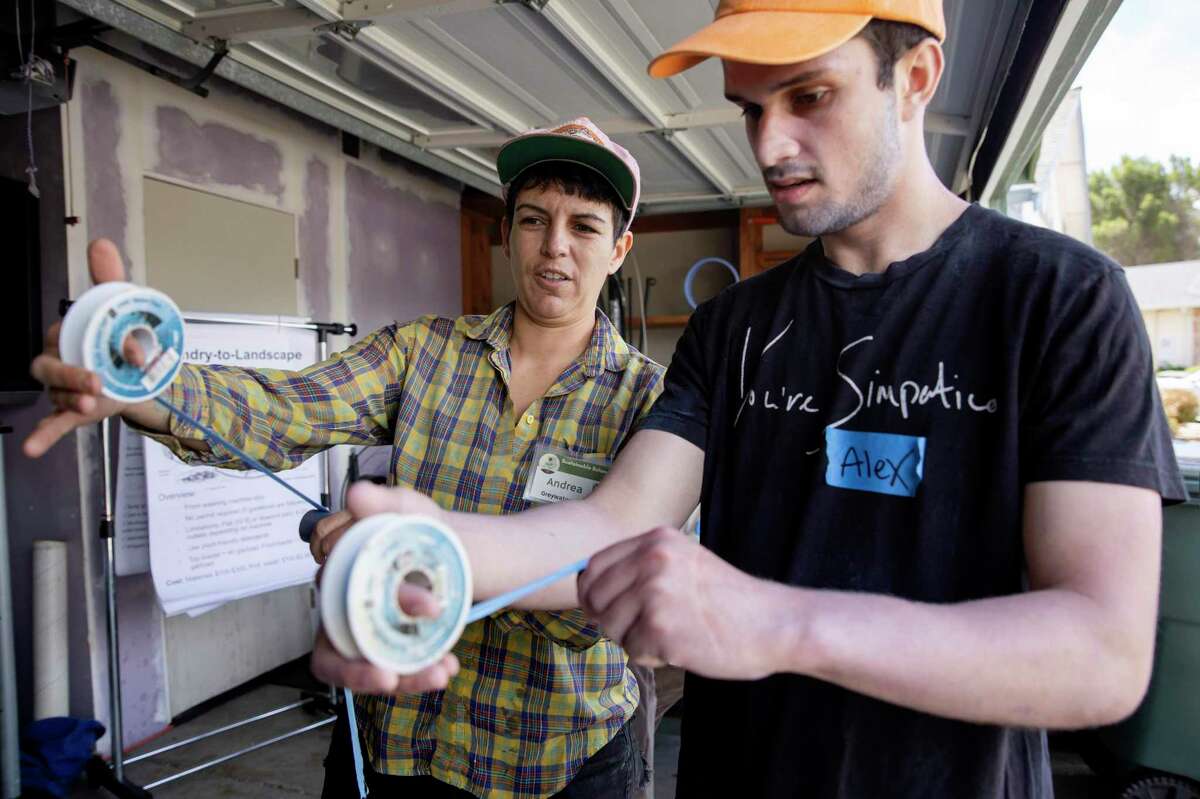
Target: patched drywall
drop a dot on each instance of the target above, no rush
(314, 244)
(403, 252)
(212, 153)
(107, 215)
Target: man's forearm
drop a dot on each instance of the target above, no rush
(1051, 658)
(655, 481)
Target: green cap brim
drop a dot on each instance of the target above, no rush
(519, 155)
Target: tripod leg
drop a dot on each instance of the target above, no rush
(101, 776)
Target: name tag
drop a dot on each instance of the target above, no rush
(883, 463)
(558, 475)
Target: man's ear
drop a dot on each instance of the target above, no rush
(620, 250)
(918, 74)
(505, 231)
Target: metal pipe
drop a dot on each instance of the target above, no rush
(218, 731)
(326, 482)
(213, 320)
(643, 335)
(327, 495)
(115, 730)
(335, 328)
(239, 753)
(10, 765)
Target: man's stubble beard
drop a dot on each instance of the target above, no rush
(875, 186)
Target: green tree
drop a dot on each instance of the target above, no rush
(1146, 212)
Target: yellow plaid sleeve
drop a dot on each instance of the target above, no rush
(282, 417)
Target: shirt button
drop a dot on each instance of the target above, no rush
(529, 418)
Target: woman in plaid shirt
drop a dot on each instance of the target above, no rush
(537, 703)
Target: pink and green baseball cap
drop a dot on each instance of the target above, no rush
(580, 142)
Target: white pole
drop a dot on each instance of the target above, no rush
(51, 675)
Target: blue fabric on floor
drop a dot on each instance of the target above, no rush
(54, 750)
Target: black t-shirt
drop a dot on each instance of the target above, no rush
(875, 434)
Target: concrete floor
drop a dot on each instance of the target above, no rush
(292, 768)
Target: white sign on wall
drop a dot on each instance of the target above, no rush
(216, 535)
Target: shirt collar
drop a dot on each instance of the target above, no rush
(606, 350)
(495, 328)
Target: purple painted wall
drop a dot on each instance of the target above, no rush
(314, 240)
(215, 153)
(107, 216)
(404, 254)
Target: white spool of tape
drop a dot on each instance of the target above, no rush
(97, 324)
(359, 609)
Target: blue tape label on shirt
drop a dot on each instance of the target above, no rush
(883, 463)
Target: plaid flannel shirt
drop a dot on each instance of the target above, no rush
(538, 692)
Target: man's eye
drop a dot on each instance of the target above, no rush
(751, 112)
(809, 98)
(585, 228)
(531, 220)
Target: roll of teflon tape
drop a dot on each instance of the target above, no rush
(359, 605)
(97, 324)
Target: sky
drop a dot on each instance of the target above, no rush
(1141, 84)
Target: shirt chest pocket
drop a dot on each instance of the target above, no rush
(596, 443)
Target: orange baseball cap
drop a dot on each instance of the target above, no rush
(790, 31)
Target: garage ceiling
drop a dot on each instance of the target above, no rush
(445, 82)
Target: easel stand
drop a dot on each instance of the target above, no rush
(110, 775)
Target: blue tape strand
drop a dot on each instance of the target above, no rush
(352, 723)
(481, 610)
(245, 456)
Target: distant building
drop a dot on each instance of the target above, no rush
(1169, 298)
(1056, 196)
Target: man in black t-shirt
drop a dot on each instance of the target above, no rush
(929, 451)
